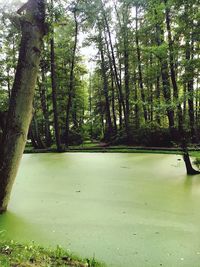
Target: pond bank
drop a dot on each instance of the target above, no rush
(13, 254)
(114, 149)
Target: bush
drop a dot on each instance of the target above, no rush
(75, 138)
(149, 134)
(152, 134)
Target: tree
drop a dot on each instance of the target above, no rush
(32, 19)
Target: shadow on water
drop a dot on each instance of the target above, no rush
(13, 227)
(192, 180)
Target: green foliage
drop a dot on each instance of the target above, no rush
(153, 135)
(197, 163)
(140, 50)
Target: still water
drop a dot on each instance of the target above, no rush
(130, 210)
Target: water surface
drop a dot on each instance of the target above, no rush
(130, 210)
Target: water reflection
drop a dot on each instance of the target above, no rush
(14, 227)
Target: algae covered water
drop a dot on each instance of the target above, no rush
(130, 210)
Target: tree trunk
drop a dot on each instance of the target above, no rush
(43, 100)
(140, 68)
(35, 134)
(165, 80)
(113, 105)
(121, 96)
(21, 101)
(172, 66)
(71, 78)
(113, 81)
(125, 35)
(109, 130)
(54, 86)
(54, 96)
(158, 98)
(190, 170)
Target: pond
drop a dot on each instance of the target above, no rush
(124, 209)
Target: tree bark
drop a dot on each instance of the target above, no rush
(21, 101)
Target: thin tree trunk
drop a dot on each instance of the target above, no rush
(109, 130)
(140, 68)
(136, 106)
(116, 73)
(165, 81)
(71, 78)
(158, 98)
(43, 100)
(113, 105)
(90, 107)
(35, 134)
(190, 87)
(113, 80)
(172, 66)
(54, 85)
(54, 96)
(21, 102)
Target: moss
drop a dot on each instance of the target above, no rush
(13, 254)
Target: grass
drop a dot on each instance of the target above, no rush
(13, 254)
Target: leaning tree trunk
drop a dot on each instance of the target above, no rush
(21, 102)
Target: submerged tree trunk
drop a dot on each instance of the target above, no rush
(21, 101)
(190, 170)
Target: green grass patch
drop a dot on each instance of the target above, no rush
(13, 254)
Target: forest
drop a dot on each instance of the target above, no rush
(120, 72)
(98, 76)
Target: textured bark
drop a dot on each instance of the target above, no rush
(21, 101)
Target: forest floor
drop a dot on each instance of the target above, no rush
(17, 255)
